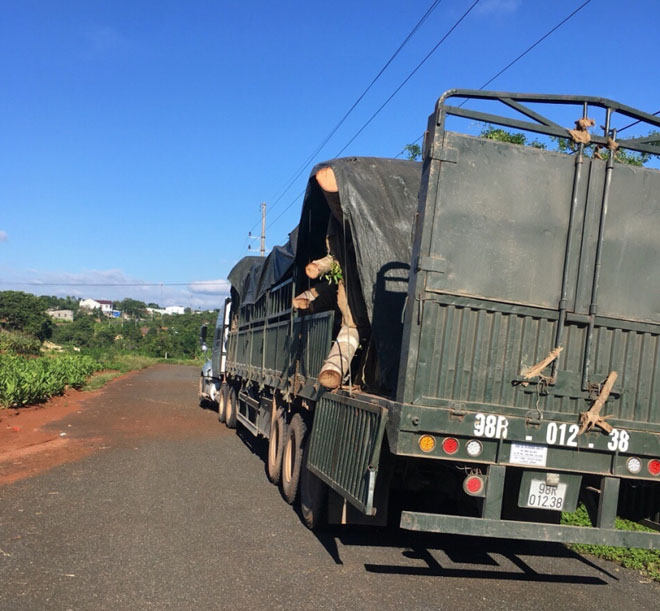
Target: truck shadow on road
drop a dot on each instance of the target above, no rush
(437, 555)
(434, 555)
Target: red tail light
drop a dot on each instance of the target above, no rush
(474, 485)
(654, 466)
(450, 445)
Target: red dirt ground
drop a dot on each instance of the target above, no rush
(31, 442)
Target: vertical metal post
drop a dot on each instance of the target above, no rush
(263, 229)
(561, 322)
(608, 502)
(492, 507)
(593, 306)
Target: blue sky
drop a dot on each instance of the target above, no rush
(139, 137)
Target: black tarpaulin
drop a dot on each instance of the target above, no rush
(375, 211)
(242, 272)
(252, 276)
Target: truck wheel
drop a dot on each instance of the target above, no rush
(202, 400)
(313, 497)
(230, 408)
(292, 458)
(222, 403)
(276, 445)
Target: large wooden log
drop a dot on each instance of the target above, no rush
(302, 301)
(317, 268)
(327, 180)
(337, 364)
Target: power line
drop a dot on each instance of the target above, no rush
(281, 214)
(332, 132)
(655, 114)
(539, 41)
(517, 59)
(431, 52)
(403, 83)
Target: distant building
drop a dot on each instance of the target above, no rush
(97, 304)
(160, 311)
(60, 314)
(175, 310)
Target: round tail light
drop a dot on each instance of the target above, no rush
(654, 466)
(634, 465)
(450, 445)
(473, 448)
(474, 485)
(426, 443)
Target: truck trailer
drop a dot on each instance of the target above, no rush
(470, 344)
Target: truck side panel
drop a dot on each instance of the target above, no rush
(504, 207)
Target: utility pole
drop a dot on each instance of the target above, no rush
(263, 229)
(262, 249)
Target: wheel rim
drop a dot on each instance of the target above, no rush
(288, 460)
(273, 446)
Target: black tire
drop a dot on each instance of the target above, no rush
(276, 443)
(313, 497)
(202, 401)
(230, 408)
(222, 403)
(292, 458)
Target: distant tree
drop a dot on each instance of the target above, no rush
(153, 305)
(502, 135)
(59, 303)
(566, 145)
(24, 312)
(132, 307)
(413, 152)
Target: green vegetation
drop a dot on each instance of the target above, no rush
(566, 145)
(25, 313)
(25, 380)
(646, 561)
(33, 369)
(413, 152)
(17, 342)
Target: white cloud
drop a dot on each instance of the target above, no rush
(3, 236)
(103, 284)
(210, 287)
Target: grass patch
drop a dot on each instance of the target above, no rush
(195, 362)
(114, 365)
(124, 363)
(98, 380)
(643, 560)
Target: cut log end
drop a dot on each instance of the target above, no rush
(300, 303)
(329, 379)
(327, 180)
(317, 268)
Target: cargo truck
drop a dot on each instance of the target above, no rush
(491, 317)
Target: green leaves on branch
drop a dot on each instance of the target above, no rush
(334, 275)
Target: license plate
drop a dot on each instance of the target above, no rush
(544, 496)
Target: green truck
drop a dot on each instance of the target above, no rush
(470, 344)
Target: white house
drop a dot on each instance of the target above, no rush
(60, 314)
(97, 304)
(175, 310)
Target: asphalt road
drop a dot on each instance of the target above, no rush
(173, 511)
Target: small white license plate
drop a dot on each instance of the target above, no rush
(528, 454)
(544, 496)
